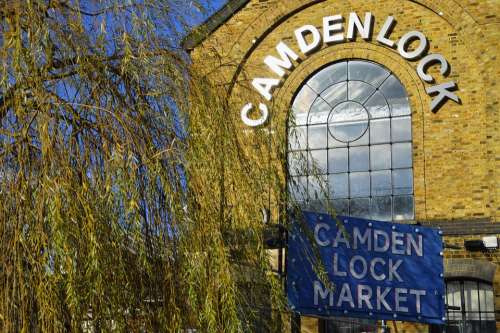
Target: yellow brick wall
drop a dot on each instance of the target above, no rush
(456, 151)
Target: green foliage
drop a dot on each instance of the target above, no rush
(98, 229)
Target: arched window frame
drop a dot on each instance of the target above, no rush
(306, 188)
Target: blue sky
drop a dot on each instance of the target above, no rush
(211, 7)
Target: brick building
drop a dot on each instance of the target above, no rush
(397, 104)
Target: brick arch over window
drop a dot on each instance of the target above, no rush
(469, 268)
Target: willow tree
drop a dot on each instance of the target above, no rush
(115, 206)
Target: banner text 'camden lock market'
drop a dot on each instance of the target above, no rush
(377, 268)
(333, 33)
(371, 269)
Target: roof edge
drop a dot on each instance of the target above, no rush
(197, 35)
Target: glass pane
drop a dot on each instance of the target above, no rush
(362, 141)
(297, 118)
(401, 155)
(337, 160)
(359, 184)
(402, 180)
(341, 206)
(453, 293)
(471, 297)
(380, 157)
(380, 131)
(359, 159)
(396, 96)
(487, 301)
(348, 111)
(348, 132)
(335, 94)
(317, 136)
(297, 138)
(317, 187)
(381, 183)
(381, 208)
(359, 91)
(317, 162)
(317, 206)
(403, 208)
(360, 207)
(368, 72)
(401, 129)
(303, 101)
(377, 106)
(332, 142)
(297, 163)
(453, 298)
(319, 112)
(298, 188)
(338, 185)
(328, 76)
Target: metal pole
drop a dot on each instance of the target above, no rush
(295, 323)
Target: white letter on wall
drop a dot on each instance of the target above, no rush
(444, 92)
(365, 29)
(254, 122)
(429, 60)
(406, 39)
(332, 29)
(277, 65)
(382, 35)
(299, 35)
(264, 86)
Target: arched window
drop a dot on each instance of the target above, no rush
(470, 307)
(350, 130)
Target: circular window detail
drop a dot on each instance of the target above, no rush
(348, 121)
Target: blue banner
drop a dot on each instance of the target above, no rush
(369, 269)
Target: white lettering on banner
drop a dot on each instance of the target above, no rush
(317, 229)
(397, 240)
(336, 271)
(415, 244)
(381, 299)
(417, 294)
(366, 297)
(372, 240)
(400, 298)
(377, 234)
(309, 39)
(359, 267)
(352, 266)
(393, 270)
(345, 295)
(324, 293)
(373, 262)
(366, 238)
(340, 239)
